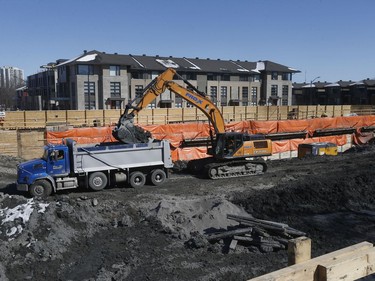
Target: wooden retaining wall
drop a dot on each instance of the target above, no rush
(161, 116)
(27, 144)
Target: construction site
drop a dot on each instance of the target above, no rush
(301, 218)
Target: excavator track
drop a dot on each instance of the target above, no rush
(235, 168)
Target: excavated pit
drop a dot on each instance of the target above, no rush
(159, 233)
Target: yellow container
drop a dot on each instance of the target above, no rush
(317, 148)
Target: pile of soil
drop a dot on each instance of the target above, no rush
(159, 233)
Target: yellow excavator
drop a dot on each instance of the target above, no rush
(233, 154)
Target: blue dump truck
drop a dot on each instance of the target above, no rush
(68, 166)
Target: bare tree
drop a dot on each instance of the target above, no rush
(8, 96)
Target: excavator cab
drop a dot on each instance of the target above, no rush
(227, 145)
(238, 145)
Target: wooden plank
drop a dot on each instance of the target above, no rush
(305, 271)
(189, 114)
(243, 238)
(94, 117)
(299, 250)
(76, 117)
(112, 116)
(348, 268)
(35, 119)
(233, 244)
(55, 117)
(229, 233)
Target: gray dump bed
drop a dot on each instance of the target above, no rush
(119, 156)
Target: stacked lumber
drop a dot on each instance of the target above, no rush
(350, 263)
(265, 235)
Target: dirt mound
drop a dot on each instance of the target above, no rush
(202, 215)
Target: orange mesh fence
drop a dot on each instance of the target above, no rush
(290, 126)
(292, 145)
(189, 153)
(176, 133)
(280, 146)
(264, 127)
(82, 135)
(240, 126)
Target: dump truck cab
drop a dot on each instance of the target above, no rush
(37, 176)
(57, 160)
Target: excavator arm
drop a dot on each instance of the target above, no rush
(127, 132)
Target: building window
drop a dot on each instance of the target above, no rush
(274, 75)
(136, 75)
(114, 70)
(178, 102)
(89, 92)
(189, 76)
(223, 95)
(255, 78)
(285, 93)
(213, 94)
(244, 78)
(254, 95)
(84, 69)
(287, 76)
(225, 77)
(245, 94)
(274, 90)
(211, 77)
(138, 91)
(115, 88)
(74, 99)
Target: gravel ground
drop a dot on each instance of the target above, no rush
(159, 233)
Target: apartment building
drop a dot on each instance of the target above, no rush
(341, 92)
(11, 77)
(98, 80)
(41, 88)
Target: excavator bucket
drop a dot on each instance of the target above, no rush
(127, 132)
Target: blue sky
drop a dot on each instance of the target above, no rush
(332, 39)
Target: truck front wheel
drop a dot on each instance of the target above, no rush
(137, 179)
(41, 189)
(98, 181)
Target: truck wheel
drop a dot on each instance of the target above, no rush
(137, 179)
(158, 177)
(98, 181)
(41, 189)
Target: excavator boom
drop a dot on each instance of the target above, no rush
(127, 132)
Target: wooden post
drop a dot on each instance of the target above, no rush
(299, 250)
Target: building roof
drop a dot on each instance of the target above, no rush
(369, 82)
(158, 63)
(296, 85)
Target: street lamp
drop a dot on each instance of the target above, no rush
(311, 82)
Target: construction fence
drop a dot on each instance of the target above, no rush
(177, 134)
(161, 116)
(28, 143)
